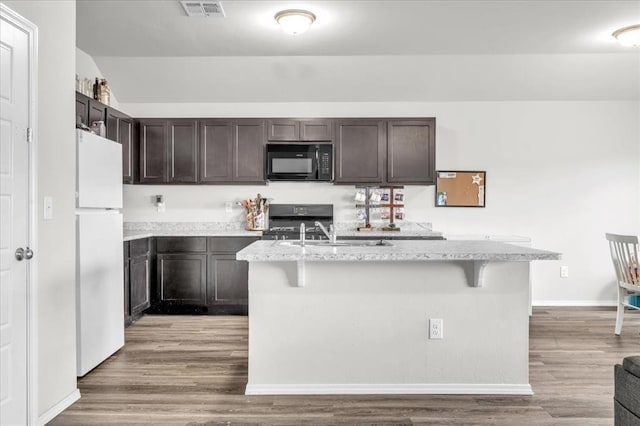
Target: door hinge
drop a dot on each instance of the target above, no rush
(29, 134)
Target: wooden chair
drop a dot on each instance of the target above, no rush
(624, 253)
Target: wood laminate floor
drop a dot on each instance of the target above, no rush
(185, 370)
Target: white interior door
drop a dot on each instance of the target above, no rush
(14, 219)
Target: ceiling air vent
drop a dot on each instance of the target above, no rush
(203, 8)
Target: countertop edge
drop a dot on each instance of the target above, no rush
(419, 250)
(129, 236)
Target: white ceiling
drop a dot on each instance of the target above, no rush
(392, 27)
(364, 51)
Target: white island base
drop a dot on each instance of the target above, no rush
(362, 327)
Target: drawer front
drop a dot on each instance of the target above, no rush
(229, 244)
(139, 247)
(181, 244)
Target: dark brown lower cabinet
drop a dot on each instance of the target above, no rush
(228, 284)
(182, 280)
(139, 282)
(198, 275)
(127, 287)
(137, 279)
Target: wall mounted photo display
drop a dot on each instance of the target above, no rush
(460, 188)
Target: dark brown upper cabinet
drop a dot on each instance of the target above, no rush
(153, 151)
(183, 151)
(283, 130)
(97, 112)
(119, 128)
(89, 110)
(129, 153)
(232, 151)
(289, 130)
(216, 151)
(360, 150)
(373, 151)
(248, 150)
(316, 130)
(82, 109)
(112, 118)
(168, 151)
(411, 151)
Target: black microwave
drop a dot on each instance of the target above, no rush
(300, 162)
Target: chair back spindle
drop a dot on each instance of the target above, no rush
(624, 253)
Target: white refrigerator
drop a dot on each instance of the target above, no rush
(99, 255)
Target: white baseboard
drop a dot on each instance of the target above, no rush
(52, 412)
(574, 303)
(398, 389)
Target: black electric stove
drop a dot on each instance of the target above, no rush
(285, 220)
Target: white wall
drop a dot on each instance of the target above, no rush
(562, 173)
(56, 178)
(363, 78)
(87, 68)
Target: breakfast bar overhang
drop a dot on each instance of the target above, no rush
(354, 319)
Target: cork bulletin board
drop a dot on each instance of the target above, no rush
(460, 188)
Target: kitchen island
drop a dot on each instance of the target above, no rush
(354, 319)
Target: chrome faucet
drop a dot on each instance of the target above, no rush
(331, 233)
(303, 232)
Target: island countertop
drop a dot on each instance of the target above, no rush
(423, 250)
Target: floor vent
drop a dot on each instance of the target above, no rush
(203, 8)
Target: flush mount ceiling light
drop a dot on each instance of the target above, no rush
(295, 21)
(628, 36)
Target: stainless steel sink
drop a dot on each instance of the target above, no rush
(341, 243)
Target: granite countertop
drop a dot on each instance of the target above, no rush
(137, 230)
(412, 250)
(135, 235)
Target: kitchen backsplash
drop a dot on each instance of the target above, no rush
(210, 203)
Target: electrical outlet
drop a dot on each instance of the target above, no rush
(228, 207)
(436, 330)
(564, 271)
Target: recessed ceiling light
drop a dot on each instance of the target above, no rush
(295, 21)
(628, 36)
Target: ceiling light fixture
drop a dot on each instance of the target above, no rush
(295, 21)
(628, 36)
